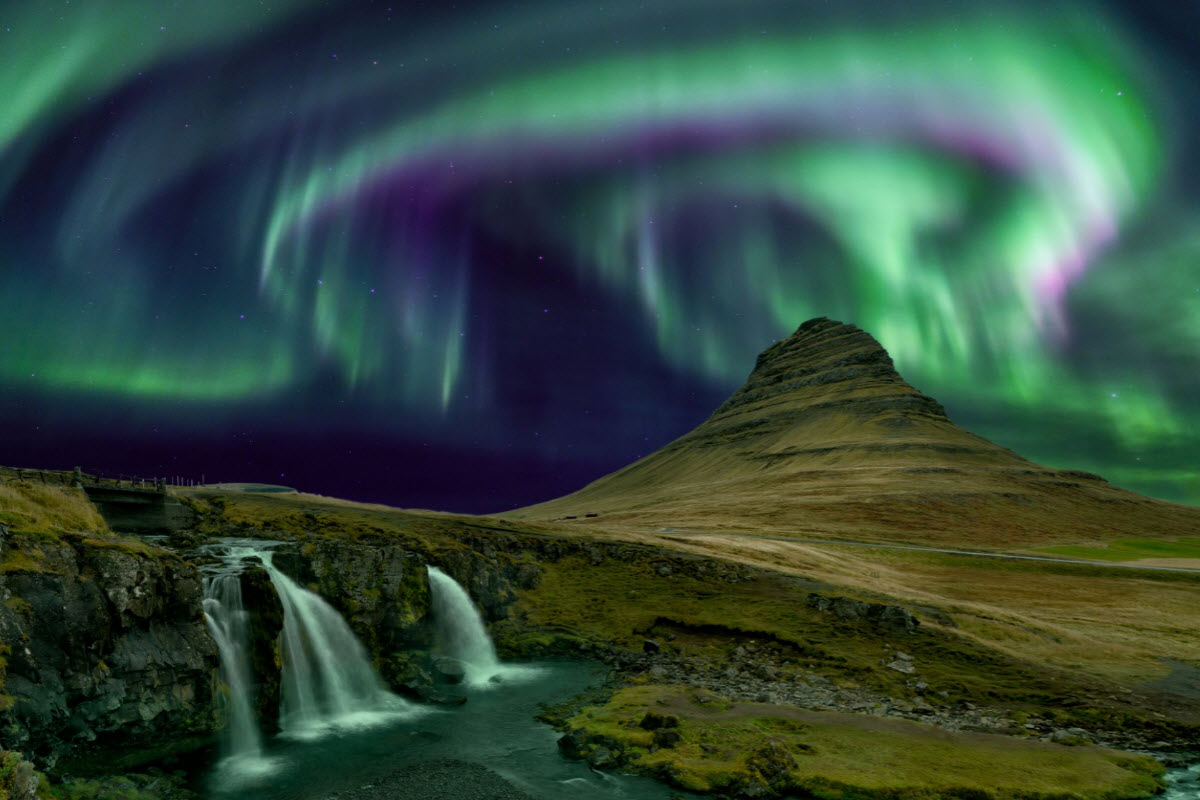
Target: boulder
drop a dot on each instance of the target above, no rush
(602, 757)
(893, 619)
(571, 744)
(449, 670)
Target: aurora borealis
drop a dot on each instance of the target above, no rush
(472, 256)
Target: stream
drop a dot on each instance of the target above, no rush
(494, 728)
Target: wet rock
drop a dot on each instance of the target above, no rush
(264, 623)
(571, 744)
(381, 590)
(448, 670)
(438, 697)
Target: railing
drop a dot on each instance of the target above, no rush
(86, 479)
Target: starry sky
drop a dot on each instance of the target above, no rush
(472, 255)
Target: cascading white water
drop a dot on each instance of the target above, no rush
(460, 633)
(227, 621)
(328, 681)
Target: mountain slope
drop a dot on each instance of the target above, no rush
(825, 439)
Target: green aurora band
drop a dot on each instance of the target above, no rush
(954, 188)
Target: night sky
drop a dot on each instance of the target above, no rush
(471, 256)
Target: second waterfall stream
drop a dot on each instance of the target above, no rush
(461, 635)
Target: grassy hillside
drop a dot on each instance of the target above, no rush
(42, 509)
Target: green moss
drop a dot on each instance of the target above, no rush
(829, 755)
(19, 605)
(18, 558)
(8, 767)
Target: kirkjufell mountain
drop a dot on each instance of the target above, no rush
(826, 439)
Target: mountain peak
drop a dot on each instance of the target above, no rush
(826, 439)
(827, 365)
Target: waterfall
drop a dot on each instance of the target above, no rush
(226, 619)
(460, 633)
(328, 681)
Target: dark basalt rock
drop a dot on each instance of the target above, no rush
(381, 589)
(108, 652)
(571, 744)
(448, 670)
(265, 612)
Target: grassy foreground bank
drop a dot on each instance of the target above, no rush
(702, 742)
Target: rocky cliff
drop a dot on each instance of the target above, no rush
(107, 650)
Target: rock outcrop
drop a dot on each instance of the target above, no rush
(107, 652)
(265, 621)
(381, 589)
